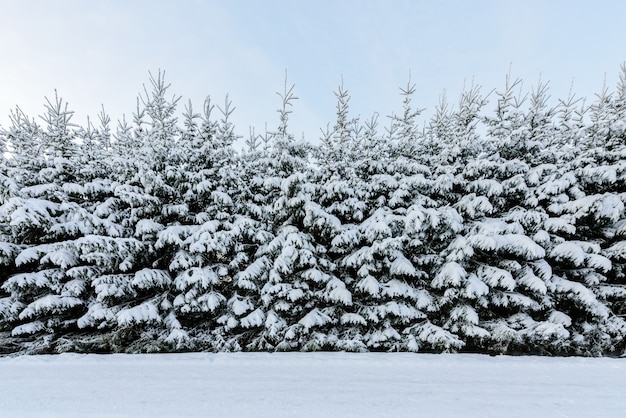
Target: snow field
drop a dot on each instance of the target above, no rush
(310, 385)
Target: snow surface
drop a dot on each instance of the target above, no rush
(310, 385)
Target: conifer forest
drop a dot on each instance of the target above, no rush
(496, 226)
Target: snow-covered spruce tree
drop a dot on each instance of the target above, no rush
(132, 288)
(423, 197)
(192, 160)
(431, 221)
(108, 256)
(343, 154)
(529, 203)
(572, 253)
(586, 282)
(213, 246)
(297, 286)
(613, 291)
(388, 294)
(9, 249)
(46, 217)
(491, 288)
(154, 195)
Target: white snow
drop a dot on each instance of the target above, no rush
(451, 275)
(49, 303)
(310, 385)
(314, 318)
(336, 292)
(402, 266)
(150, 278)
(475, 287)
(569, 251)
(255, 319)
(146, 312)
(240, 305)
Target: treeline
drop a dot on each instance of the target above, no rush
(496, 231)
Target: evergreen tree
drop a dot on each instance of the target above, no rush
(130, 279)
(294, 275)
(44, 218)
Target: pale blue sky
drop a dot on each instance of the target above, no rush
(100, 52)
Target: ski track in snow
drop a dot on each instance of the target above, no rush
(310, 385)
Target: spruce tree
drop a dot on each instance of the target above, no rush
(45, 217)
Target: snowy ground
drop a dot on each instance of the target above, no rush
(310, 385)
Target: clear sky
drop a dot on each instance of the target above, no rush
(100, 52)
